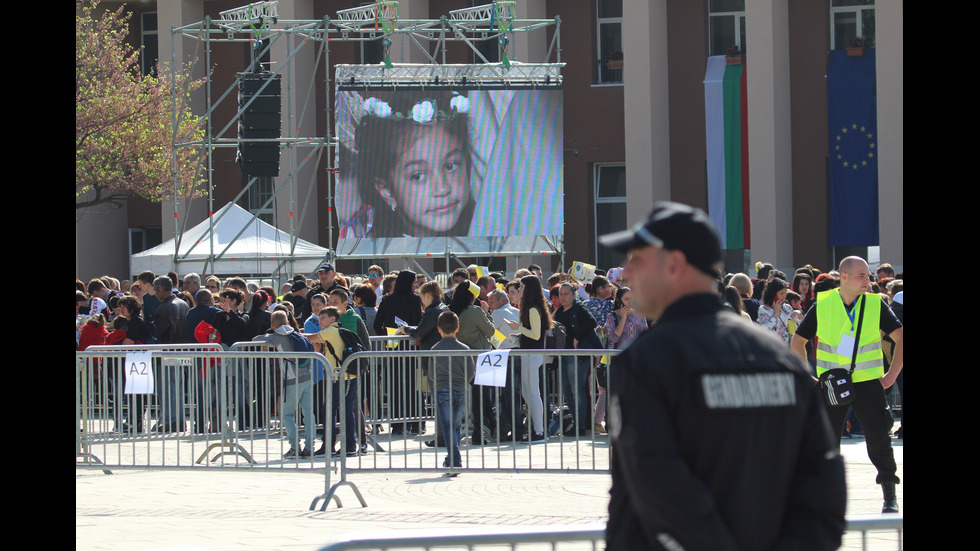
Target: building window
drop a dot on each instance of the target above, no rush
(610, 211)
(850, 19)
(141, 239)
(609, 43)
(258, 194)
(726, 26)
(150, 54)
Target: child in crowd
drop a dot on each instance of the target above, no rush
(449, 379)
(118, 333)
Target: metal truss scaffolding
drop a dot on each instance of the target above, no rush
(260, 26)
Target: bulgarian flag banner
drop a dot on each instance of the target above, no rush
(726, 139)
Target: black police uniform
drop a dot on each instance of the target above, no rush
(720, 440)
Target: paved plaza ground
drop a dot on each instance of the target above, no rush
(269, 509)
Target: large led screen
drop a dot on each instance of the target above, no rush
(429, 163)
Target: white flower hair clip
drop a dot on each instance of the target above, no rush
(461, 104)
(423, 112)
(377, 107)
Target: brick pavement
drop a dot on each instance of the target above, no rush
(233, 510)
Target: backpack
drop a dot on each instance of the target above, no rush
(557, 336)
(301, 344)
(555, 339)
(352, 344)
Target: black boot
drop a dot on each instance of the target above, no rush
(891, 502)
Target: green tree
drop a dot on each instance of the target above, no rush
(124, 121)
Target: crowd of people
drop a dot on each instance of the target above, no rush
(525, 311)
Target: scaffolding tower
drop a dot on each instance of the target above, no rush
(259, 25)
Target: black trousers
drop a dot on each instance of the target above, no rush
(872, 411)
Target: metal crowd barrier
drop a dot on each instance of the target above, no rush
(406, 402)
(490, 439)
(568, 538)
(208, 407)
(215, 408)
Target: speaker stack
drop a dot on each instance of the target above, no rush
(261, 120)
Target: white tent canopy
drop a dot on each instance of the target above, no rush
(260, 248)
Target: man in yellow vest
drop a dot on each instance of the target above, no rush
(849, 325)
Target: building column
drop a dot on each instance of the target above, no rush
(177, 13)
(769, 131)
(889, 50)
(403, 49)
(645, 101)
(529, 47)
(296, 204)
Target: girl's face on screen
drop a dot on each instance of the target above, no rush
(430, 182)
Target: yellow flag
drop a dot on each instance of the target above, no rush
(391, 332)
(497, 338)
(582, 272)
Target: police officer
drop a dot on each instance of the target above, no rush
(841, 319)
(719, 437)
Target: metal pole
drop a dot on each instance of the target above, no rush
(332, 159)
(173, 121)
(290, 129)
(208, 137)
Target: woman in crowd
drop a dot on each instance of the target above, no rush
(775, 312)
(600, 303)
(427, 330)
(580, 327)
(533, 327)
(259, 322)
(232, 322)
(259, 316)
(734, 300)
(187, 298)
(744, 285)
(475, 326)
(401, 303)
(365, 305)
(405, 305)
(475, 329)
(622, 327)
(803, 286)
(622, 324)
(137, 332)
(554, 298)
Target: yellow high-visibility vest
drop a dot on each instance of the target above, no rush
(833, 322)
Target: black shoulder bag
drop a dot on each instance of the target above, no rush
(836, 383)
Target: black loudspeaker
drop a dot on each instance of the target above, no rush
(261, 120)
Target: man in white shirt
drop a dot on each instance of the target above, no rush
(501, 311)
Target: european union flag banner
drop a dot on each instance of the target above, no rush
(852, 128)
